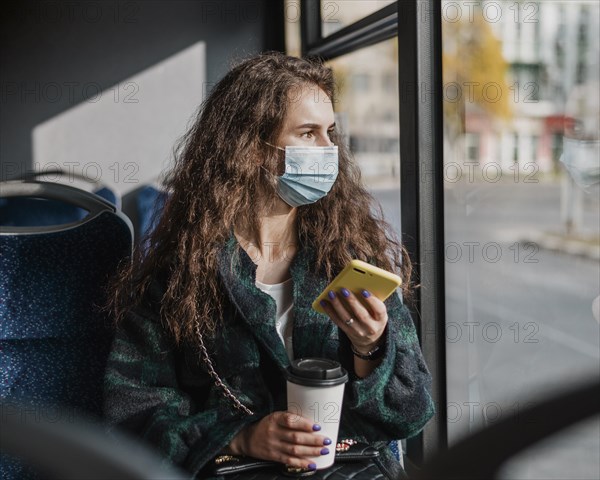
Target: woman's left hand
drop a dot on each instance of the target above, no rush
(363, 326)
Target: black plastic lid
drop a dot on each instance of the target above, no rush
(316, 372)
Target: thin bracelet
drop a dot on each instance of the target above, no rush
(372, 354)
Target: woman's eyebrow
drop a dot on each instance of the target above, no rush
(314, 125)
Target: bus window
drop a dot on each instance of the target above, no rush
(522, 234)
(367, 110)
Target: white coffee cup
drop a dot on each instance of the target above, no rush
(315, 390)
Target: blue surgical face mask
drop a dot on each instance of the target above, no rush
(309, 174)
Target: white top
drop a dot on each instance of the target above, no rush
(282, 293)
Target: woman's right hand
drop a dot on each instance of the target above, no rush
(282, 437)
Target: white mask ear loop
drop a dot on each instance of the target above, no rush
(274, 146)
(262, 166)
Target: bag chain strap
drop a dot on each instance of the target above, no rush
(211, 371)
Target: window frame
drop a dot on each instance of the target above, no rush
(418, 27)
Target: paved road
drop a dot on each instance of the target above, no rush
(519, 318)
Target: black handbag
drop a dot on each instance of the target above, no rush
(353, 460)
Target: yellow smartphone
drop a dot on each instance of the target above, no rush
(358, 276)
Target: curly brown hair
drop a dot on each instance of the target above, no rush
(216, 184)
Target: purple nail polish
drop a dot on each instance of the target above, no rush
(327, 441)
(324, 451)
(331, 294)
(316, 427)
(365, 294)
(345, 293)
(323, 303)
(312, 466)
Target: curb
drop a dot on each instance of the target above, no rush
(557, 243)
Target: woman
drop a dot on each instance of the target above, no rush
(239, 254)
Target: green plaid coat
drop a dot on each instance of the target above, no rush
(164, 396)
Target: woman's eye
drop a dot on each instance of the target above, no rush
(311, 134)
